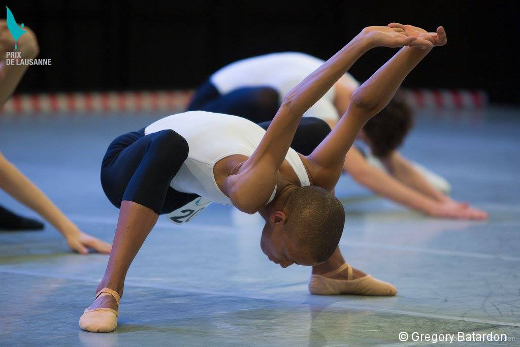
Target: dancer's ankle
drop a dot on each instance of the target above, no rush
(119, 288)
(342, 275)
(328, 266)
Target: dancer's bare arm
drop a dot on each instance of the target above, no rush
(326, 162)
(403, 171)
(22, 189)
(343, 90)
(384, 184)
(251, 187)
(439, 205)
(11, 179)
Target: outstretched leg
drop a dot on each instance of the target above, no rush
(135, 177)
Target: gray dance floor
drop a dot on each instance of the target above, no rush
(208, 283)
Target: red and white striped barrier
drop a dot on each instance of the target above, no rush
(446, 99)
(172, 101)
(177, 100)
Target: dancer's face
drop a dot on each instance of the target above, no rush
(278, 247)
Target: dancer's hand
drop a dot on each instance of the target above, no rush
(80, 242)
(438, 38)
(456, 210)
(384, 36)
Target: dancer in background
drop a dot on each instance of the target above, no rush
(253, 88)
(12, 181)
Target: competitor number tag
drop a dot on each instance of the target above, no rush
(185, 213)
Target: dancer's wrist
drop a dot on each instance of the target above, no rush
(67, 229)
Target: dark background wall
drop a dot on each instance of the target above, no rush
(137, 44)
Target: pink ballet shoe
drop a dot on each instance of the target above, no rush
(368, 285)
(101, 320)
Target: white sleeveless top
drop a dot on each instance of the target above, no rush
(280, 71)
(212, 137)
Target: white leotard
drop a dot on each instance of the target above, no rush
(280, 71)
(212, 137)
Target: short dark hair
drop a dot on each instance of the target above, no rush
(388, 129)
(315, 221)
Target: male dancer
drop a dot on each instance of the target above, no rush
(196, 157)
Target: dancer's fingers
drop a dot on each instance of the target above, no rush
(397, 25)
(409, 40)
(99, 246)
(76, 246)
(422, 44)
(441, 33)
(399, 30)
(479, 215)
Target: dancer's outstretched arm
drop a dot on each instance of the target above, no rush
(326, 162)
(22, 189)
(11, 179)
(439, 205)
(252, 185)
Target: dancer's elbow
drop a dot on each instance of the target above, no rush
(363, 101)
(287, 105)
(244, 203)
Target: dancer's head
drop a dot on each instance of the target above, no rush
(306, 231)
(386, 131)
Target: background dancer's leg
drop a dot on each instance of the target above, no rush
(11, 221)
(258, 104)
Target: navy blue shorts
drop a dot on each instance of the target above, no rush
(139, 167)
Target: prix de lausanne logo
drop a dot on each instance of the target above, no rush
(15, 30)
(15, 57)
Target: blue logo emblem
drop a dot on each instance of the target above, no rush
(13, 27)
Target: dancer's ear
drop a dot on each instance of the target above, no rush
(277, 217)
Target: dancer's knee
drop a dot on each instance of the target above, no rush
(169, 149)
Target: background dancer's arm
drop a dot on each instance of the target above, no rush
(385, 185)
(439, 205)
(12, 180)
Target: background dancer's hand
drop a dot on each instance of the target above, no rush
(80, 242)
(384, 36)
(424, 38)
(456, 210)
